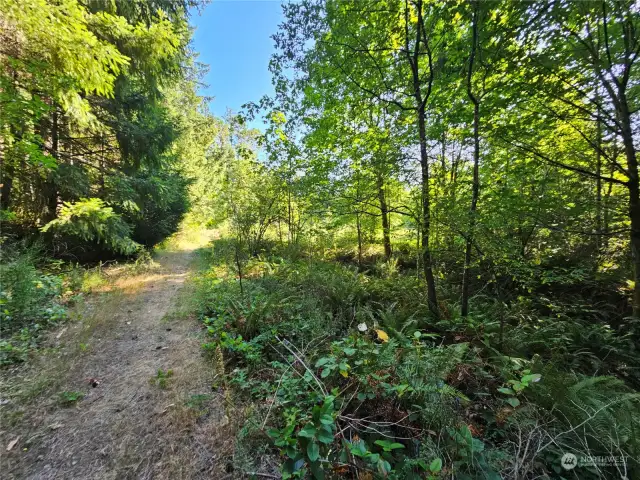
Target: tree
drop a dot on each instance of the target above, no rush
(85, 114)
(587, 38)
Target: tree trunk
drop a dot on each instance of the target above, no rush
(420, 107)
(599, 232)
(605, 206)
(50, 190)
(289, 214)
(359, 229)
(239, 267)
(102, 165)
(6, 184)
(384, 211)
(466, 277)
(426, 218)
(634, 215)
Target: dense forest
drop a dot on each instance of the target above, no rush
(95, 105)
(428, 263)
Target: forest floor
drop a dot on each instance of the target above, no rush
(152, 412)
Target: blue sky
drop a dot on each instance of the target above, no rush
(233, 38)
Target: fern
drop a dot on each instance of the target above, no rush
(598, 414)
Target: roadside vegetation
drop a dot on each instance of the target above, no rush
(427, 265)
(35, 295)
(341, 371)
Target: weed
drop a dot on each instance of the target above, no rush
(68, 399)
(161, 379)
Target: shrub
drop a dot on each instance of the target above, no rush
(90, 220)
(29, 303)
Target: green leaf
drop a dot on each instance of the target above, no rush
(384, 467)
(326, 419)
(322, 361)
(513, 401)
(506, 391)
(292, 465)
(325, 434)
(316, 470)
(435, 466)
(532, 378)
(313, 451)
(327, 406)
(388, 446)
(309, 431)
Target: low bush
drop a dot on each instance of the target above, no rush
(90, 220)
(29, 303)
(35, 293)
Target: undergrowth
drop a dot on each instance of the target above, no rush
(345, 373)
(30, 302)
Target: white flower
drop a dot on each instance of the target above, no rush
(362, 327)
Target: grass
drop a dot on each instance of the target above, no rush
(187, 238)
(94, 280)
(162, 378)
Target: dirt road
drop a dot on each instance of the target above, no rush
(135, 422)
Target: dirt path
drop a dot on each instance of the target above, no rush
(132, 424)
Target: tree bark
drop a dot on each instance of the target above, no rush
(598, 236)
(384, 211)
(359, 230)
(6, 185)
(50, 190)
(432, 296)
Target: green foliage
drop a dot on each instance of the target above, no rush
(470, 461)
(312, 443)
(68, 399)
(161, 203)
(30, 302)
(91, 220)
(425, 256)
(161, 379)
(91, 129)
(334, 350)
(606, 408)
